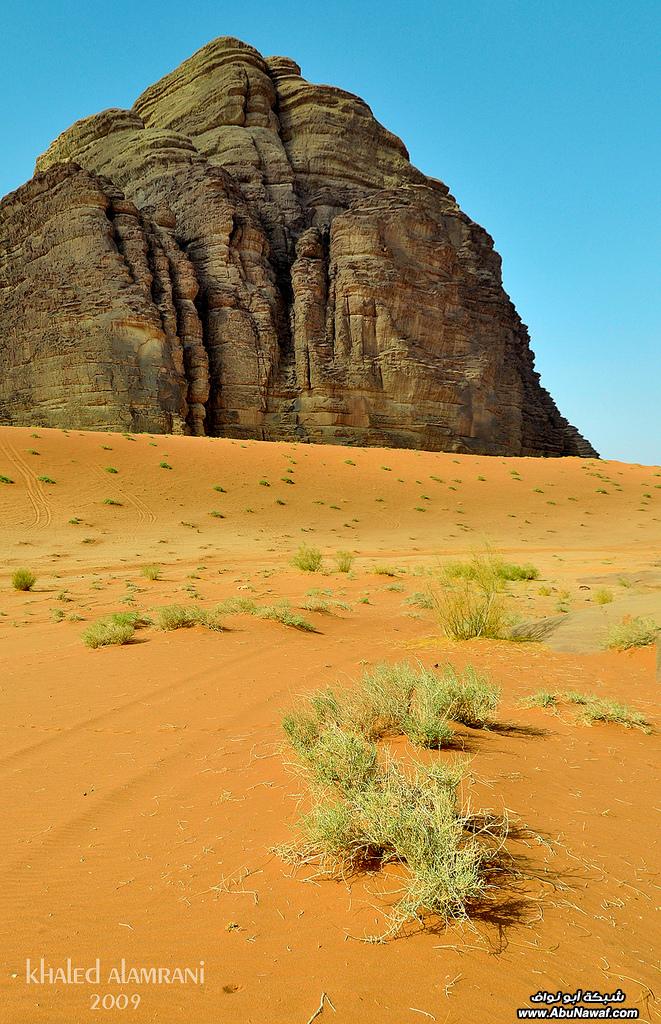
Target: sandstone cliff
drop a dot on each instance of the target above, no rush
(244, 253)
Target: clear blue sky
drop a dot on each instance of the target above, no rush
(542, 116)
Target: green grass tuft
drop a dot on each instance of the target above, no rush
(307, 559)
(23, 579)
(343, 561)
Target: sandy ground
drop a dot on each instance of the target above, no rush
(144, 787)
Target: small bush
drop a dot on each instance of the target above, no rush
(316, 604)
(599, 709)
(111, 501)
(23, 579)
(386, 570)
(111, 469)
(471, 610)
(603, 596)
(179, 616)
(282, 612)
(114, 630)
(593, 708)
(482, 566)
(632, 632)
(46, 479)
(5, 479)
(365, 815)
(344, 561)
(165, 465)
(404, 699)
(307, 559)
(541, 699)
(151, 572)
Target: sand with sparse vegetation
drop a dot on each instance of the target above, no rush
(379, 724)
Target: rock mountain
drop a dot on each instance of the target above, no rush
(246, 254)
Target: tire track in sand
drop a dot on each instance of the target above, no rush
(41, 508)
(145, 513)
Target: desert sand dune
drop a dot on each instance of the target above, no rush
(145, 786)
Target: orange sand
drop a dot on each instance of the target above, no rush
(144, 786)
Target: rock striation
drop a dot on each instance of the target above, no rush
(247, 254)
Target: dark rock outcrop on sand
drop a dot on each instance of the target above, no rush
(246, 254)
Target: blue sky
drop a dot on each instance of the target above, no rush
(542, 116)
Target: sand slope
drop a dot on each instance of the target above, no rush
(144, 787)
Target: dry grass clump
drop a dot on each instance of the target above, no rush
(603, 596)
(23, 579)
(151, 572)
(387, 570)
(632, 632)
(236, 606)
(115, 629)
(541, 699)
(366, 814)
(475, 569)
(343, 561)
(282, 612)
(399, 699)
(593, 708)
(603, 709)
(179, 616)
(471, 608)
(307, 559)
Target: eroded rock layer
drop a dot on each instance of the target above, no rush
(244, 253)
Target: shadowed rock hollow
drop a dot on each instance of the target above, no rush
(246, 254)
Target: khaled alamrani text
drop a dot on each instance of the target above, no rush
(123, 973)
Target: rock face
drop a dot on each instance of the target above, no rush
(246, 254)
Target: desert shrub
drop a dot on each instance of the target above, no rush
(593, 708)
(307, 559)
(386, 570)
(113, 630)
(179, 616)
(151, 572)
(632, 632)
(5, 479)
(282, 612)
(470, 609)
(344, 561)
(403, 699)
(603, 596)
(165, 465)
(540, 699)
(366, 815)
(111, 501)
(512, 571)
(236, 606)
(316, 604)
(23, 579)
(600, 709)
(481, 567)
(46, 479)
(341, 758)
(111, 469)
